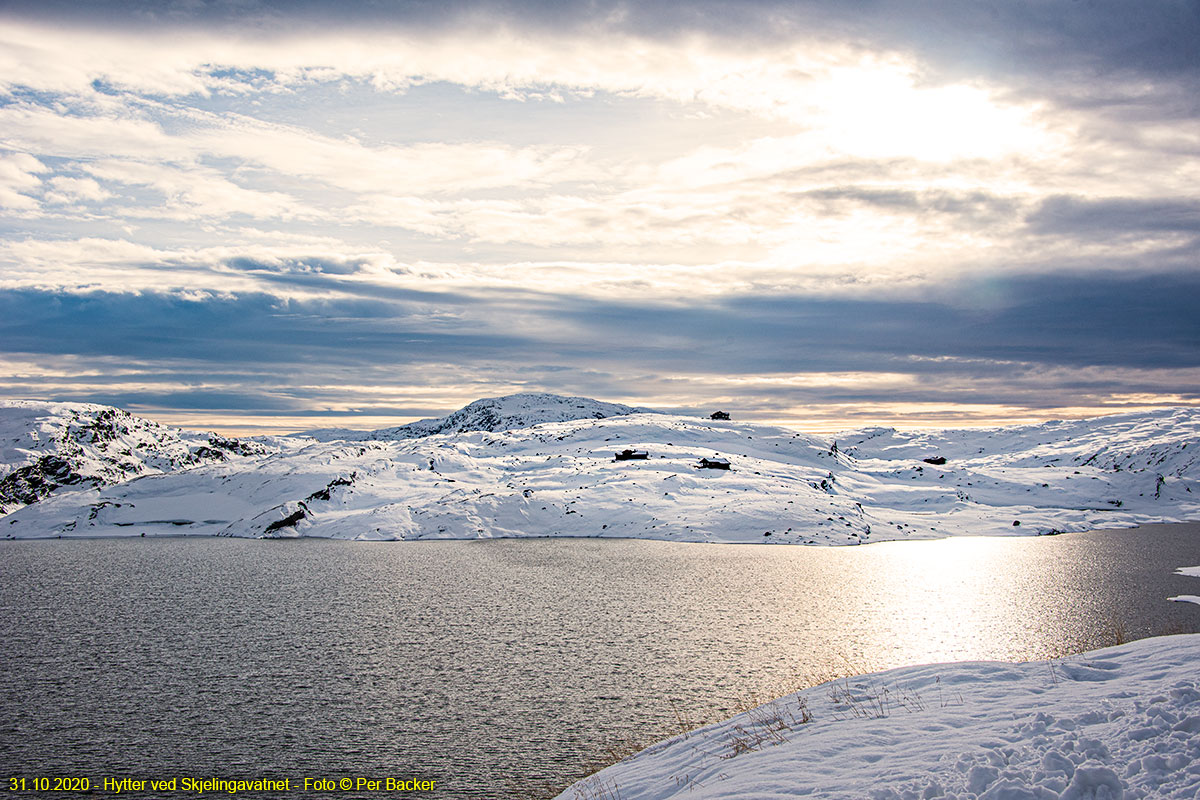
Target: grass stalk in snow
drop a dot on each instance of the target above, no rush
(867, 701)
(767, 724)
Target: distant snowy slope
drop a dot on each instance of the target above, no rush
(1144, 462)
(489, 414)
(562, 479)
(1153, 440)
(48, 446)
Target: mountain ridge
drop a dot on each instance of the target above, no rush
(561, 478)
(507, 412)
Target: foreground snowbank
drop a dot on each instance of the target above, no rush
(1118, 723)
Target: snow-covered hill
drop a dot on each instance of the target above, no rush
(1136, 462)
(1154, 440)
(489, 414)
(561, 479)
(45, 447)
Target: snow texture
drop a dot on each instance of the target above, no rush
(1121, 723)
(560, 478)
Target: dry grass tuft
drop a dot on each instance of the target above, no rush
(595, 788)
(767, 724)
(868, 701)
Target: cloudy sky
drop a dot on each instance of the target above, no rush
(269, 215)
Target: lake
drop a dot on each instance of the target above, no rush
(495, 666)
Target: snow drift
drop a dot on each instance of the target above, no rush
(1114, 724)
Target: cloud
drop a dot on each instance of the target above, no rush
(131, 144)
(783, 202)
(323, 265)
(193, 192)
(1084, 217)
(806, 79)
(1047, 43)
(1045, 320)
(243, 329)
(75, 190)
(836, 109)
(1046, 350)
(19, 176)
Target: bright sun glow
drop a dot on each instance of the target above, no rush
(880, 111)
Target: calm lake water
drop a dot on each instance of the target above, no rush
(491, 666)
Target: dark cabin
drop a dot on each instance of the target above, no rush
(714, 463)
(630, 455)
(719, 415)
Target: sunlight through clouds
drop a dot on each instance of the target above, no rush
(938, 123)
(753, 201)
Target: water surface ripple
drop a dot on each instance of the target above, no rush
(494, 665)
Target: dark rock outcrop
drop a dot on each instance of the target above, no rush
(34, 481)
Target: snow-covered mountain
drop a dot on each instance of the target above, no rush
(562, 479)
(489, 414)
(45, 447)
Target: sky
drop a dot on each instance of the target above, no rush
(270, 216)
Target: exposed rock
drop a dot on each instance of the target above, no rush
(31, 483)
(99, 445)
(287, 522)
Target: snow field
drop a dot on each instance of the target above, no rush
(559, 478)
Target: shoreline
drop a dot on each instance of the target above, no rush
(752, 543)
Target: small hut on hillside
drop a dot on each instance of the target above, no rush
(719, 415)
(714, 463)
(631, 455)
